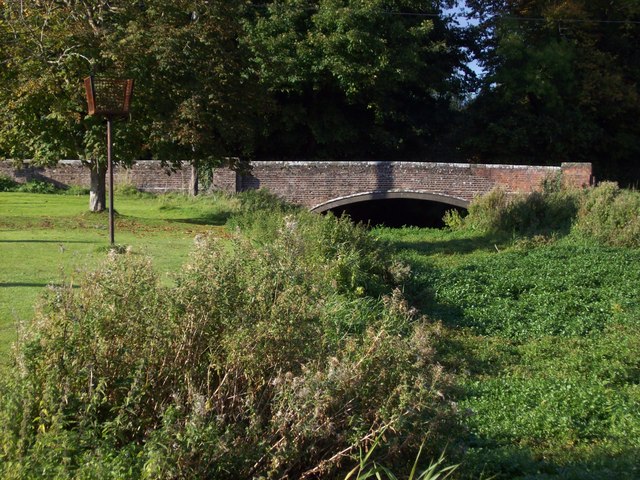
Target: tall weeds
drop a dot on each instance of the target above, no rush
(605, 213)
(278, 354)
(611, 215)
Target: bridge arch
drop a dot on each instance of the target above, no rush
(389, 195)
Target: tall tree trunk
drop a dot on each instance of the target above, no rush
(193, 187)
(97, 194)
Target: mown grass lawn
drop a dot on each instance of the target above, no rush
(45, 238)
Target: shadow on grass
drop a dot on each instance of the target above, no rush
(61, 242)
(504, 460)
(454, 245)
(420, 292)
(37, 285)
(214, 219)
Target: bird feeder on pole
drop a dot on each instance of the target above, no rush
(109, 98)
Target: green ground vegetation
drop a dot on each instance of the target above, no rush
(526, 328)
(539, 299)
(266, 357)
(543, 342)
(48, 239)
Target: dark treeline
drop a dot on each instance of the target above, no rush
(561, 85)
(329, 79)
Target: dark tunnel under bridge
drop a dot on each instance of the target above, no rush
(395, 209)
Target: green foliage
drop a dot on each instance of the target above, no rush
(76, 190)
(519, 294)
(252, 201)
(38, 186)
(196, 96)
(486, 211)
(564, 87)
(368, 468)
(44, 237)
(42, 99)
(127, 189)
(267, 358)
(551, 210)
(611, 215)
(453, 219)
(555, 408)
(350, 79)
(606, 214)
(7, 184)
(544, 338)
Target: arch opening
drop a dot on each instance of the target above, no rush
(395, 208)
(397, 212)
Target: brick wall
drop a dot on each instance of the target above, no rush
(145, 175)
(315, 183)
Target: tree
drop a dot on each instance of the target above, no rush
(51, 46)
(356, 79)
(193, 97)
(562, 84)
(201, 100)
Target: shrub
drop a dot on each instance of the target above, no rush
(553, 209)
(255, 202)
(38, 186)
(76, 190)
(606, 213)
(126, 189)
(611, 215)
(453, 219)
(267, 359)
(7, 184)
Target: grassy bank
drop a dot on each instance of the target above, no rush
(46, 238)
(280, 352)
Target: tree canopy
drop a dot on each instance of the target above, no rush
(562, 84)
(354, 79)
(194, 94)
(331, 79)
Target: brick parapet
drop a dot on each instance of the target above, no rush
(313, 183)
(577, 175)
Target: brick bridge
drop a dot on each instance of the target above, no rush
(322, 186)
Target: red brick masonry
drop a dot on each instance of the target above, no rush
(322, 185)
(148, 176)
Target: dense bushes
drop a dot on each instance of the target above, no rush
(7, 184)
(551, 209)
(606, 213)
(611, 215)
(278, 353)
